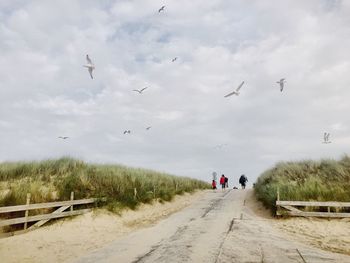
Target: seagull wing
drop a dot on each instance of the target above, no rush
(144, 89)
(325, 136)
(88, 59)
(90, 71)
(240, 86)
(230, 94)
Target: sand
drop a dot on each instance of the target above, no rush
(220, 227)
(328, 234)
(71, 238)
(332, 235)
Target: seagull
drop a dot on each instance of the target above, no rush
(236, 92)
(63, 137)
(161, 9)
(281, 82)
(174, 59)
(149, 127)
(326, 137)
(90, 66)
(140, 91)
(127, 132)
(219, 146)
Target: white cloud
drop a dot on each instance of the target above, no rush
(45, 92)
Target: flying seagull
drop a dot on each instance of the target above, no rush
(219, 146)
(281, 82)
(174, 59)
(149, 127)
(161, 9)
(90, 66)
(326, 137)
(236, 92)
(127, 132)
(140, 91)
(63, 137)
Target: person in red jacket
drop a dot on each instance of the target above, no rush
(213, 184)
(222, 182)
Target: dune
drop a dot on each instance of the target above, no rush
(73, 237)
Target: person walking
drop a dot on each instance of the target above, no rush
(243, 181)
(226, 182)
(222, 182)
(213, 184)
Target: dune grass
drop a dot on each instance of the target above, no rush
(324, 180)
(52, 180)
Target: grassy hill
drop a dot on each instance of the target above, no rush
(325, 180)
(52, 180)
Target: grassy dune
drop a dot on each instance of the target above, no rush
(52, 180)
(325, 180)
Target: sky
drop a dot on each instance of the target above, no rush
(45, 92)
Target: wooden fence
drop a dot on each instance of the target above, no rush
(43, 218)
(292, 208)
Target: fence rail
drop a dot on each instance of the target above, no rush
(292, 208)
(321, 204)
(17, 208)
(43, 218)
(20, 220)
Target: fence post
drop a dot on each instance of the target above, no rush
(135, 193)
(154, 192)
(278, 193)
(71, 198)
(27, 211)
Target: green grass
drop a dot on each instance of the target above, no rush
(325, 180)
(51, 180)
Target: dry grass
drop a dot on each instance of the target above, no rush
(325, 180)
(55, 179)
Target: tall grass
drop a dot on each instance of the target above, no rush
(55, 179)
(324, 180)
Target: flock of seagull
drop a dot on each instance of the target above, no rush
(91, 67)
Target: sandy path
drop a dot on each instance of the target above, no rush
(74, 237)
(216, 228)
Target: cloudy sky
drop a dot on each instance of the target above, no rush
(45, 92)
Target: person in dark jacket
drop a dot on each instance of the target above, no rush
(226, 182)
(243, 181)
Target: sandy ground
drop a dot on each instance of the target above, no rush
(219, 227)
(210, 226)
(332, 235)
(71, 238)
(328, 234)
